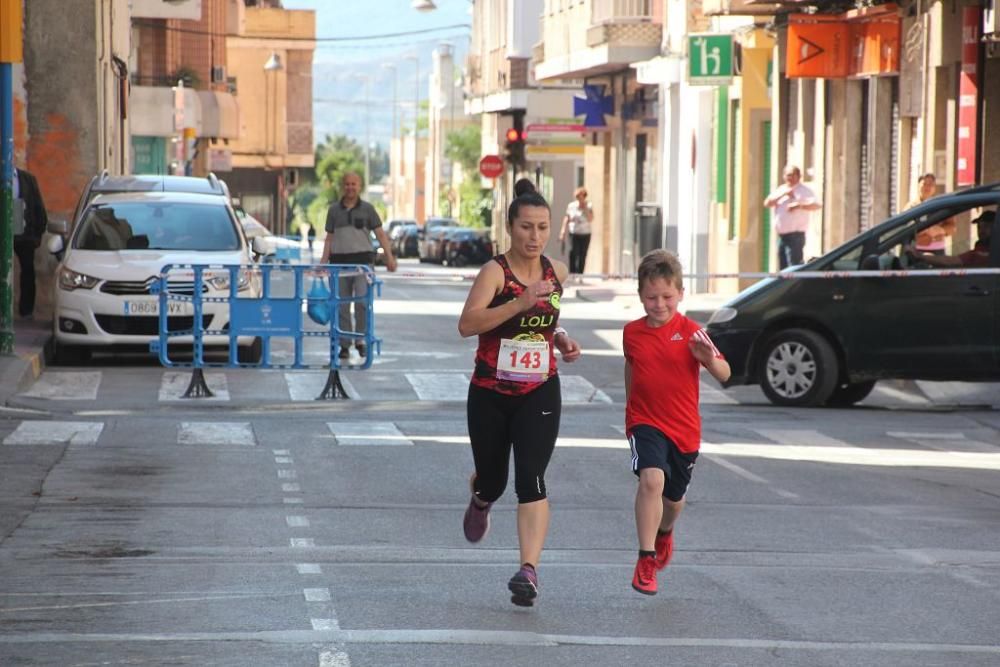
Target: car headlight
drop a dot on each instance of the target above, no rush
(723, 314)
(70, 280)
(221, 281)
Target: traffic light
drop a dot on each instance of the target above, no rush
(513, 152)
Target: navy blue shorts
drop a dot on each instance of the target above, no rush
(652, 449)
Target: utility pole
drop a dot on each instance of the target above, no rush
(11, 50)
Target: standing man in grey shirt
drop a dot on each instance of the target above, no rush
(349, 224)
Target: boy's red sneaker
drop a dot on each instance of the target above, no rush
(664, 546)
(644, 579)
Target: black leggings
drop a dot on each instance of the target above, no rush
(579, 245)
(529, 424)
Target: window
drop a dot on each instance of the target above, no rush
(157, 226)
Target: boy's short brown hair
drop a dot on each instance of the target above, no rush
(661, 263)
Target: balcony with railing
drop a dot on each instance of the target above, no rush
(596, 36)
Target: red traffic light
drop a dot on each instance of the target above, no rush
(513, 135)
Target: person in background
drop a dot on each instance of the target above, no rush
(28, 202)
(792, 202)
(576, 224)
(348, 225)
(932, 239)
(978, 257)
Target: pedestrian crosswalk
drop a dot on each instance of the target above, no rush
(278, 386)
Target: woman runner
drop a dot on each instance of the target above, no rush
(514, 399)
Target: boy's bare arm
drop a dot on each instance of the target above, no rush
(719, 369)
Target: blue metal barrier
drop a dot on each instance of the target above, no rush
(209, 305)
(292, 255)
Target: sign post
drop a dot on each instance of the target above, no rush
(710, 59)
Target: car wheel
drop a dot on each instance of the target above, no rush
(845, 395)
(251, 354)
(798, 368)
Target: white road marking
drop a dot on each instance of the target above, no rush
(287, 474)
(307, 385)
(66, 386)
(316, 594)
(439, 386)
(302, 542)
(297, 521)
(504, 638)
(746, 474)
(712, 395)
(334, 657)
(174, 384)
(55, 433)
(946, 441)
(291, 488)
(280, 452)
(368, 433)
(292, 501)
(283, 459)
(308, 568)
(899, 395)
(578, 389)
(216, 433)
(804, 437)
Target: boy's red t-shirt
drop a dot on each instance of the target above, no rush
(664, 391)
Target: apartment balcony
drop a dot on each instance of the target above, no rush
(597, 36)
(739, 8)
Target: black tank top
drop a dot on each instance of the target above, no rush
(537, 324)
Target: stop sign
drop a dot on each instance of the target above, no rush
(491, 166)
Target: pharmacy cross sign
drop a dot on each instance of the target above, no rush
(710, 59)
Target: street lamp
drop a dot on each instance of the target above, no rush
(272, 65)
(416, 131)
(392, 173)
(423, 5)
(368, 114)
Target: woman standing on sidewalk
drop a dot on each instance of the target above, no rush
(514, 399)
(576, 223)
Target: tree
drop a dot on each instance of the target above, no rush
(337, 156)
(464, 146)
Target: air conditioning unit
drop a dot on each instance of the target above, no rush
(218, 75)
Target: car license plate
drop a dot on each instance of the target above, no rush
(153, 308)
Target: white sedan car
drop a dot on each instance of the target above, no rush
(103, 299)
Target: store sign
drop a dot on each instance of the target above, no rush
(836, 47)
(220, 159)
(710, 59)
(968, 93)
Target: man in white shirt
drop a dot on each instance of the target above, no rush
(792, 201)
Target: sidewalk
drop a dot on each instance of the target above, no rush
(19, 371)
(698, 307)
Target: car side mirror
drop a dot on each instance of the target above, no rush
(55, 244)
(261, 246)
(60, 227)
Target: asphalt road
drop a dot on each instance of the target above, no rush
(263, 527)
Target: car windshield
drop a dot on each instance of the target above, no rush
(157, 226)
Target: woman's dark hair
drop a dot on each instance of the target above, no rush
(523, 187)
(528, 199)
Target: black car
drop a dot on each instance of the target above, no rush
(461, 246)
(405, 240)
(828, 340)
(430, 237)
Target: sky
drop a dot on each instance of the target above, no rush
(338, 92)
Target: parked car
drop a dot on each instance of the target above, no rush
(395, 224)
(430, 237)
(827, 341)
(406, 240)
(462, 245)
(107, 184)
(102, 294)
(276, 248)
